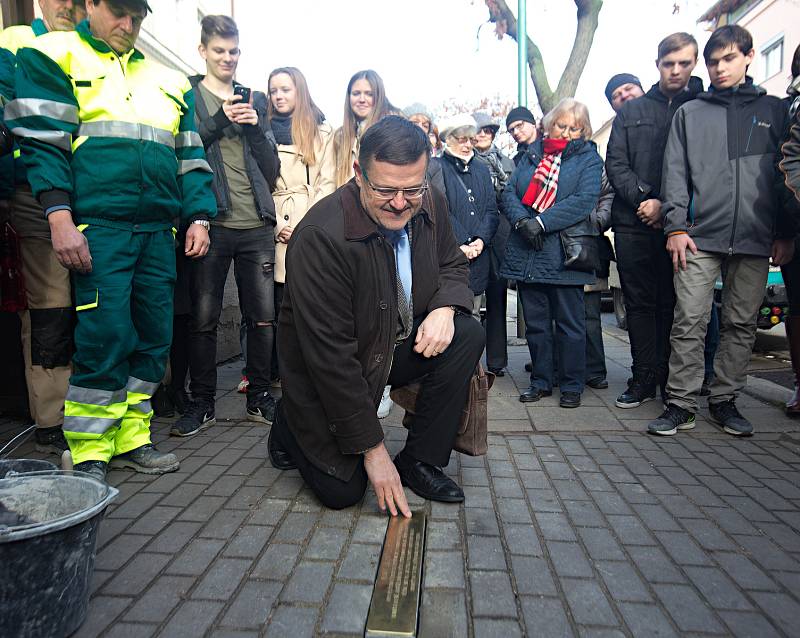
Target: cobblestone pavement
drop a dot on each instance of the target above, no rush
(575, 524)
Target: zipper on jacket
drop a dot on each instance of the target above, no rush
(736, 190)
(750, 135)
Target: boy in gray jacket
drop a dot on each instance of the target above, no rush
(722, 213)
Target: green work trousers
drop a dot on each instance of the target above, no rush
(122, 339)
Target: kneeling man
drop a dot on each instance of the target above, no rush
(376, 293)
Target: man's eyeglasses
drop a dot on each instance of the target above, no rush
(388, 192)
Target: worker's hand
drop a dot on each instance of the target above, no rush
(782, 251)
(385, 480)
(197, 241)
(677, 246)
(650, 211)
(69, 244)
(435, 333)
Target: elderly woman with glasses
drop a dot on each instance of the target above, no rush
(467, 185)
(555, 186)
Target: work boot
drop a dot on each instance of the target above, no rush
(261, 408)
(726, 415)
(793, 335)
(147, 460)
(198, 416)
(640, 390)
(50, 440)
(95, 469)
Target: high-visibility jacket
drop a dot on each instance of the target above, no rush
(109, 136)
(12, 171)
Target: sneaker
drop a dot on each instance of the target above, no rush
(671, 420)
(261, 408)
(242, 387)
(386, 403)
(163, 407)
(147, 460)
(198, 416)
(95, 469)
(50, 440)
(636, 394)
(728, 416)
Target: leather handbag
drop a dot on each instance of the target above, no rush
(473, 428)
(581, 251)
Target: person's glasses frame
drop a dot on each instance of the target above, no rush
(386, 193)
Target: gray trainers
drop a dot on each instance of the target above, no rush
(727, 416)
(95, 469)
(671, 420)
(147, 460)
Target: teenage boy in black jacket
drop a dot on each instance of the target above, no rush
(634, 164)
(724, 212)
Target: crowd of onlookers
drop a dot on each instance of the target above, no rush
(695, 186)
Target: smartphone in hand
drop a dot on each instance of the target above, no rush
(243, 91)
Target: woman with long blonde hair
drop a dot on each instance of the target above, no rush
(364, 104)
(305, 148)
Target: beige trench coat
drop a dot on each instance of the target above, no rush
(300, 187)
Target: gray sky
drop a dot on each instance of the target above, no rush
(430, 51)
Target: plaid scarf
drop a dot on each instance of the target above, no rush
(541, 192)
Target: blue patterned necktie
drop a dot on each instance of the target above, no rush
(402, 259)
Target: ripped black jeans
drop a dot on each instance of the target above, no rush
(252, 252)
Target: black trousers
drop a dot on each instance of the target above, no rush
(445, 383)
(645, 271)
(252, 252)
(496, 333)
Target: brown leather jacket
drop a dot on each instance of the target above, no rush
(338, 321)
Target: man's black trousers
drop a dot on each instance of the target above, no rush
(445, 383)
(645, 271)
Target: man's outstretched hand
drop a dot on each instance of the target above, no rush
(385, 481)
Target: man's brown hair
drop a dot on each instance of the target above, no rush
(222, 26)
(675, 42)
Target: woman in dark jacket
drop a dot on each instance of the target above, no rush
(471, 199)
(555, 186)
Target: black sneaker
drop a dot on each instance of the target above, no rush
(95, 469)
(570, 399)
(728, 416)
(261, 408)
(163, 408)
(198, 416)
(50, 440)
(638, 392)
(672, 419)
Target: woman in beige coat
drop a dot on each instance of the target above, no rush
(305, 148)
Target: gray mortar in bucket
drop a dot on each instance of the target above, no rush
(48, 536)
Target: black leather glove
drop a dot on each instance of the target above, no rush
(532, 230)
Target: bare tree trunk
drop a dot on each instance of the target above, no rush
(588, 11)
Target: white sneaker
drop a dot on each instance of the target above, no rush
(386, 403)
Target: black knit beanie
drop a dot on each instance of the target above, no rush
(618, 80)
(520, 113)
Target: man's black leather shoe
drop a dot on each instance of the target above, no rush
(279, 457)
(598, 383)
(570, 399)
(534, 394)
(498, 372)
(428, 481)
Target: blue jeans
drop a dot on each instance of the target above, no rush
(546, 304)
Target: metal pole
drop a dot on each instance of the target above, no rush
(522, 95)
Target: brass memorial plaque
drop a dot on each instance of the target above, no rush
(394, 609)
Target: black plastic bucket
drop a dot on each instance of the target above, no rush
(48, 537)
(24, 466)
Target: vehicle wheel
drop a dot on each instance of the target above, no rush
(619, 309)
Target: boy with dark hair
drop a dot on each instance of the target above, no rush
(722, 214)
(634, 164)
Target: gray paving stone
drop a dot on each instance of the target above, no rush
(501, 603)
(192, 619)
(327, 543)
(159, 601)
(545, 617)
(174, 537)
(654, 565)
(223, 524)
(569, 560)
(103, 611)
(708, 535)
(513, 510)
(719, 590)
(780, 608)
(656, 517)
(295, 528)
(129, 630)
(630, 530)
(443, 535)
(496, 628)
(622, 582)
(443, 613)
(588, 603)
(584, 514)
(522, 539)
(196, 558)
(119, 551)
(544, 501)
(485, 552)
(252, 605)
(555, 526)
(481, 521)
(371, 529)
(600, 544)
(532, 576)
(743, 624)
(136, 576)
(347, 609)
(222, 579)
(478, 497)
(277, 561)
(610, 503)
(154, 521)
(293, 622)
(646, 620)
(202, 508)
(534, 479)
(444, 569)
(767, 554)
(688, 611)
(360, 562)
(308, 582)
(269, 512)
(682, 548)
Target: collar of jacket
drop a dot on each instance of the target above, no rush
(99, 45)
(359, 226)
(692, 90)
(39, 27)
(460, 164)
(194, 80)
(747, 92)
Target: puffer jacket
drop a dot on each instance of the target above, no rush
(299, 187)
(473, 210)
(636, 152)
(720, 181)
(578, 190)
